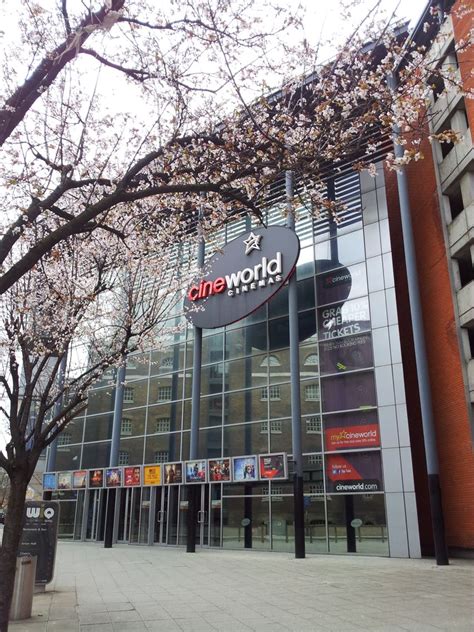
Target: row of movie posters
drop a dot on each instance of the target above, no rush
(224, 470)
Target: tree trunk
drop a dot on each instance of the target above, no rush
(11, 541)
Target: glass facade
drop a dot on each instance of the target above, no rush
(351, 403)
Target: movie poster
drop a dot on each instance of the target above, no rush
(113, 477)
(173, 473)
(49, 481)
(196, 471)
(352, 430)
(96, 479)
(244, 469)
(354, 472)
(131, 476)
(64, 480)
(272, 467)
(219, 471)
(79, 479)
(151, 475)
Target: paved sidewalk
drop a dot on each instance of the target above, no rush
(168, 590)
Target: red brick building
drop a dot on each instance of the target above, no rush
(441, 190)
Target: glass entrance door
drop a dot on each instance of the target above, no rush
(171, 513)
(124, 515)
(166, 518)
(95, 515)
(202, 531)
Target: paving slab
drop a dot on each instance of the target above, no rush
(131, 588)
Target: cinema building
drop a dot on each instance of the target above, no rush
(364, 467)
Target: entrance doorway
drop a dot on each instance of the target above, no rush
(170, 511)
(95, 514)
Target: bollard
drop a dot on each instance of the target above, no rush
(22, 601)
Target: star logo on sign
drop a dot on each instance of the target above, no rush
(252, 243)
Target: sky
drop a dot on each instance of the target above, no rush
(322, 19)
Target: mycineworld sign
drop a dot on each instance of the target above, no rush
(241, 278)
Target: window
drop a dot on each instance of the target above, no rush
(273, 392)
(315, 459)
(271, 360)
(162, 424)
(466, 269)
(275, 426)
(313, 425)
(316, 488)
(123, 457)
(126, 427)
(311, 393)
(64, 438)
(160, 456)
(164, 393)
(128, 395)
(166, 363)
(277, 490)
(311, 360)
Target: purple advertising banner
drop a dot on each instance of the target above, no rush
(354, 472)
(342, 284)
(346, 354)
(344, 319)
(347, 392)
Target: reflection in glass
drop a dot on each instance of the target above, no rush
(351, 317)
(341, 285)
(131, 451)
(246, 439)
(246, 523)
(100, 400)
(164, 416)
(210, 411)
(246, 341)
(95, 455)
(168, 360)
(138, 366)
(162, 448)
(370, 538)
(283, 531)
(249, 405)
(315, 524)
(135, 394)
(341, 251)
(68, 457)
(346, 392)
(346, 354)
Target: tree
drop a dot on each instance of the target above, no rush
(94, 189)
(4, 489)
(93, 305)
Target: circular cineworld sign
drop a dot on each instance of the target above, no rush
(241, 278)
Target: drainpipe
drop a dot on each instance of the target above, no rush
(193, 490)
(429, 435)
(114, 454)
(298, 492)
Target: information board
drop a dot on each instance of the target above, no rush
(40, 536)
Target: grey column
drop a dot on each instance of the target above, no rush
(194, 490)
(424, 386)
(298, 490)
(117, 420)
(114, 454)
(53, 448)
